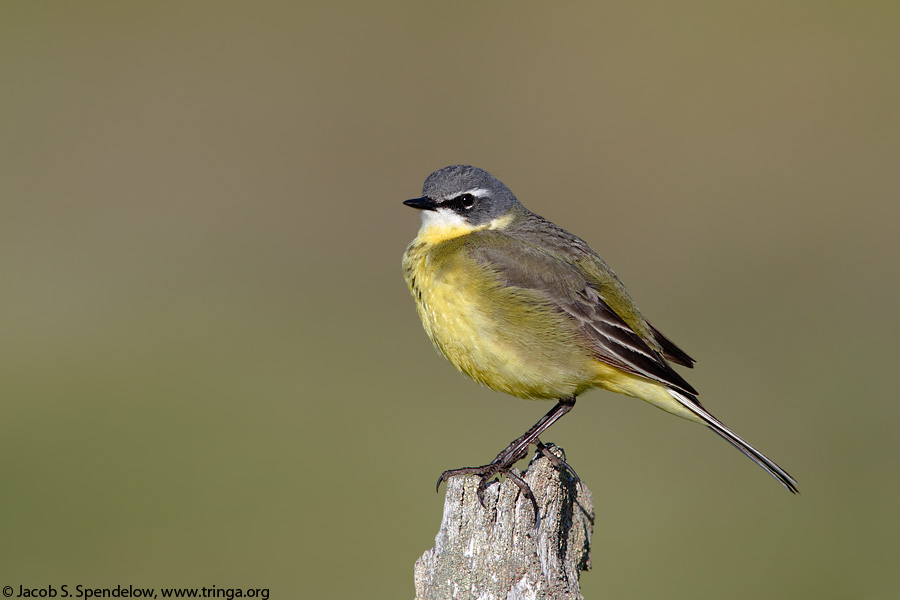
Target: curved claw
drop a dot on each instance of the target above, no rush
(526, 491)
(446, 475)
(557, 460)
(482, 487)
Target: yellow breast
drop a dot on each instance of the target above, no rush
(495, 334)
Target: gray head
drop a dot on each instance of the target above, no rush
(464, 195)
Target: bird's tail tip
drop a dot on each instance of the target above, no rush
(690, 403)
(769, 465)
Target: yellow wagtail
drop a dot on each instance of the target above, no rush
(525, 307)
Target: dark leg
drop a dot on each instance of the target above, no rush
(516, 451)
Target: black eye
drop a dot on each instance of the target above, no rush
(466, 201)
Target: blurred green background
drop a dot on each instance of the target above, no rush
(212, 372)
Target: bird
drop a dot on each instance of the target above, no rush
(524, 307)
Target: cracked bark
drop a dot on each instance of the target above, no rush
(495, 552)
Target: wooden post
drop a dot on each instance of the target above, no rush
(496, 552)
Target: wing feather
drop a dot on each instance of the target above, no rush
(564, 286)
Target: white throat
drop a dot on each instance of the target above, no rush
(442, 217)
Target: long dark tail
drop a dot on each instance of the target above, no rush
(732, 438)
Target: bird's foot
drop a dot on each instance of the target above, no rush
(516, 451)
(502, 465)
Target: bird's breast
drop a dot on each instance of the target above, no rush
(500, 336)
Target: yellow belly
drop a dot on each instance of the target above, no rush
(496, 335)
